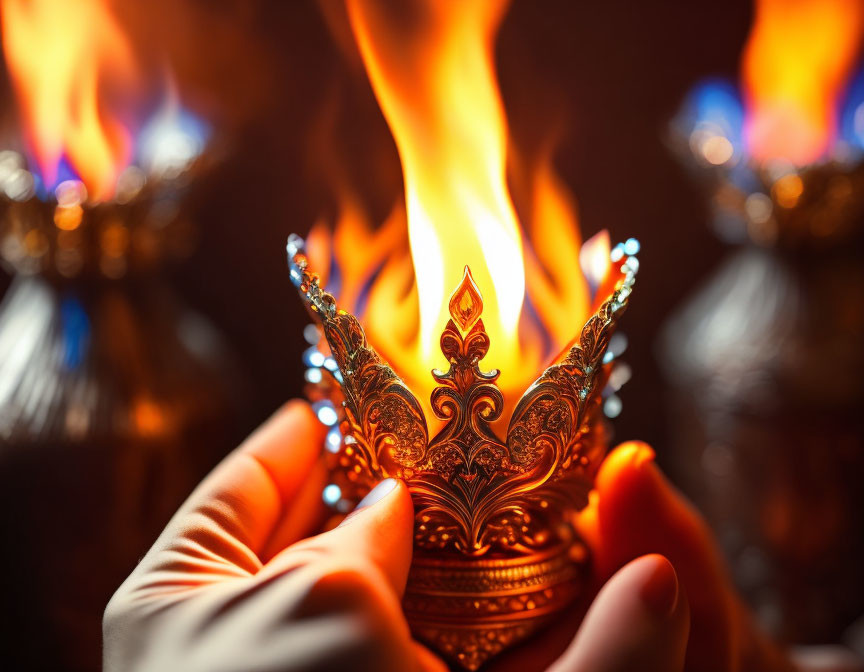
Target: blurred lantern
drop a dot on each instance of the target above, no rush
(113, 396)
(766, 358)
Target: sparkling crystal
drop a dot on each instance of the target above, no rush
(311, 334)
(334, 440)
(313, 357)
(326, 413)
(612, 406)
(332, 494)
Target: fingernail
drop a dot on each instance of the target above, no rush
(375, 495)
(642, 454)
(660, 591)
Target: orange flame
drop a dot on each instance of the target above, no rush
(797, 60)
(431, 66)
(452, 139)
(60, 55)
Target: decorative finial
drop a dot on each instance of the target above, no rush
(466, 303)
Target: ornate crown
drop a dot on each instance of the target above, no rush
(494, 553)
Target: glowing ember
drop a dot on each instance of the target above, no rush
(431, 67)
(798, 59)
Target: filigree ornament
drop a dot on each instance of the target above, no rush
(479, 501)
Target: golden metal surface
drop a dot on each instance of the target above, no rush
(493, 550)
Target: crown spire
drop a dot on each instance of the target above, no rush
(466, 303)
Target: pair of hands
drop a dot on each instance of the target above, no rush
(236, 583)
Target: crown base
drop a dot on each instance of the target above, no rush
(470, 610)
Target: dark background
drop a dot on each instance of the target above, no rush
(291, 109)
(616, 70)
(264, 73)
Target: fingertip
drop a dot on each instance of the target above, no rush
(634, 500)
(640, 512)
(300, 415)
(388, 529)
(389, 504)
(613, 488)
(292, 433)
(404, 505)
(632, 495)
(380, 532)
(399, 507)
(639, 620)
(377, 493)
(293, 409)
(627, 459)
(660, 589)
(288, 447)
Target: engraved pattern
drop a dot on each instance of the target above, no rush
(471, 609)
(383, 417)
(473, 493)
(494, 556)
(471, 647)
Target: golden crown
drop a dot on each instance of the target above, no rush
(494, 554)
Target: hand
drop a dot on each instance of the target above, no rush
(636, 517)
(232, 584)
(634, 510)
(229, 586)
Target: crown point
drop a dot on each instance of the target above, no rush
(466, 304)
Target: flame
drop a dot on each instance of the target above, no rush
(60, 56)
(797, 60)
(431, 67)
(452, 139)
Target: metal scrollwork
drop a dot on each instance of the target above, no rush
(473, 492)
(493, 558)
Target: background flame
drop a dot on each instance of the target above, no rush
(431, 65)
(65, 58)
(797, 60)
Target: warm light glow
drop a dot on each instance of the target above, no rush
(431, 66)
(59, 54)
(797, 61)
(594, 259)
(717, 150)
(787, 190)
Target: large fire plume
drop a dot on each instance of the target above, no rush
(431, 66)
(74, 75)
(798, 59)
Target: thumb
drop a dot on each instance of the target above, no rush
(640, 512)
(377, 535)
(640, 620)
(349, 581)
(637, 511)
